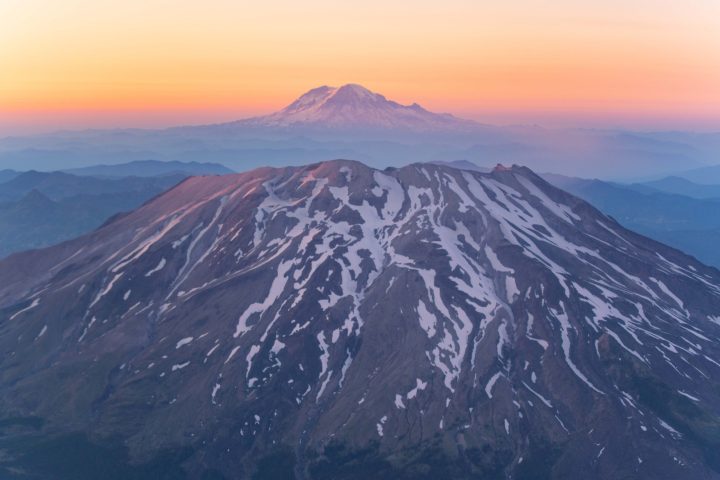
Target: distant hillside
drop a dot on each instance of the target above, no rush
(703, 175)
(151, 168)
(59, 185)
(38, 209)
(7, 174)
(689, 224)
(680, 186)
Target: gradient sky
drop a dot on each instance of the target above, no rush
(635, 63)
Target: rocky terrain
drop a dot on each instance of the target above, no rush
(336, 321)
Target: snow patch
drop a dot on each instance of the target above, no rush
(180, 366)
(182, 342)
(158, 267)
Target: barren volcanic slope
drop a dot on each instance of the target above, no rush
(334, 321)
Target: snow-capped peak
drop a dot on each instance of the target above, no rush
(354, 106)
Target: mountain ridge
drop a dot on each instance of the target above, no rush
(150, 168)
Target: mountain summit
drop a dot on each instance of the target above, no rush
(337, 321)
(354, 106)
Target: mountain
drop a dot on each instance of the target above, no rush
(680, 186)
(690, 224)
(707, 175)
(6, 175)
(353, 106)
(151, 168)
(38, 209)
(60, 185)
(336, 321)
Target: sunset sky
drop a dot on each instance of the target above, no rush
(632, 63)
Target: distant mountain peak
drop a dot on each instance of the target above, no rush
(354, 106)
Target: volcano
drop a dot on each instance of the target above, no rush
(338, 321)
(354, 107)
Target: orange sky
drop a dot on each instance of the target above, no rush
(78, 63)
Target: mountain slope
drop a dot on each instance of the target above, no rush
(335, 321)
